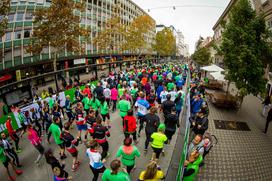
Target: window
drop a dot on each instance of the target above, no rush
(26, 33)
(10, 17)
(8, 54)
(17, 34)
(17, 52)
(8, 36)
(28, 16)
(20, 17)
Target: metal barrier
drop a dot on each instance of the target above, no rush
(187, 132)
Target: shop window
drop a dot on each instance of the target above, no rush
(8, 54)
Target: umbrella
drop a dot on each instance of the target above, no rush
(218, 76)
(212, 68)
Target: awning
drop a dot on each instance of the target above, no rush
(5, 77)
(218, 76)
(212, 68)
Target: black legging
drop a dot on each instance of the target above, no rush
(16, 139)
(133, 135)
(129, 168)
(96, 172)
(14, 156)
(105, 147)
(147, 140)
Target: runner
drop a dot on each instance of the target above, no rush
(56, 131)
(104, 111)
(116, 173)
(142, 106)
(13, 135)
(35, 140)
(99, 133)
(130, 126)
(123, 106)
(128, 154)
(96, 160)
(80, 122)
(158, 140)
(70, 143)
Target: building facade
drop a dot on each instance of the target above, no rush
(14, 57)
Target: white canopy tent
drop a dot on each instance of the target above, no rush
(212, 68)
(218, 76)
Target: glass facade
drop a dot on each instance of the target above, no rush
(13, 44)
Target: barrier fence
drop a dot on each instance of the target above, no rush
(186, 116)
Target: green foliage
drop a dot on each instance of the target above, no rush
(202, 56)
(4, 11)
(58, 26)
(245, 49)
(165, 42)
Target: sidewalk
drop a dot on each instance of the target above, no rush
(239, 155)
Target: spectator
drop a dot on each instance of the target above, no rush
(192, 166)
(199, 123)
(196, 104)
(266, 103)
(196, 144)
(268, 120)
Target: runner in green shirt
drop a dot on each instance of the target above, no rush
(104, 111)
(95, 103)
(86, 103)
(51, 102)
(115, 173)
(123, 106)
(56, 131)
(170, 86)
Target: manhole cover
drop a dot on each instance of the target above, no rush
(231, 125)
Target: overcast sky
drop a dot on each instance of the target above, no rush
(192, 21)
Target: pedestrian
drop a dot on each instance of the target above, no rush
(128, 154)
(99, 133)
(47, 118)
(268, 120)
(36, 141)
(70, 144)
(152, 121)
(6, 162)
(56, 131)
(152, 172)
(171, 123)
(9, 150)
(142, 107)
(266, 103)
(96, 161)
(35, 121)
(158, 140)
(130, 126)
(115, 173)
(13, 135)
(114, 97)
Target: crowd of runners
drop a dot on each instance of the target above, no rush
(148, 98)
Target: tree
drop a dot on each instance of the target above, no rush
(60, 28)
(202, 56)
(245, 49)
(111, 36)
(165, 42)
(4, 11)
(136, 40)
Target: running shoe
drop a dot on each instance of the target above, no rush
(18, 172)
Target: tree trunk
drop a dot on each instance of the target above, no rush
(55, 69)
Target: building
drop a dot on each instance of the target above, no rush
(17, 64)
(180, 44)
(260, 6)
